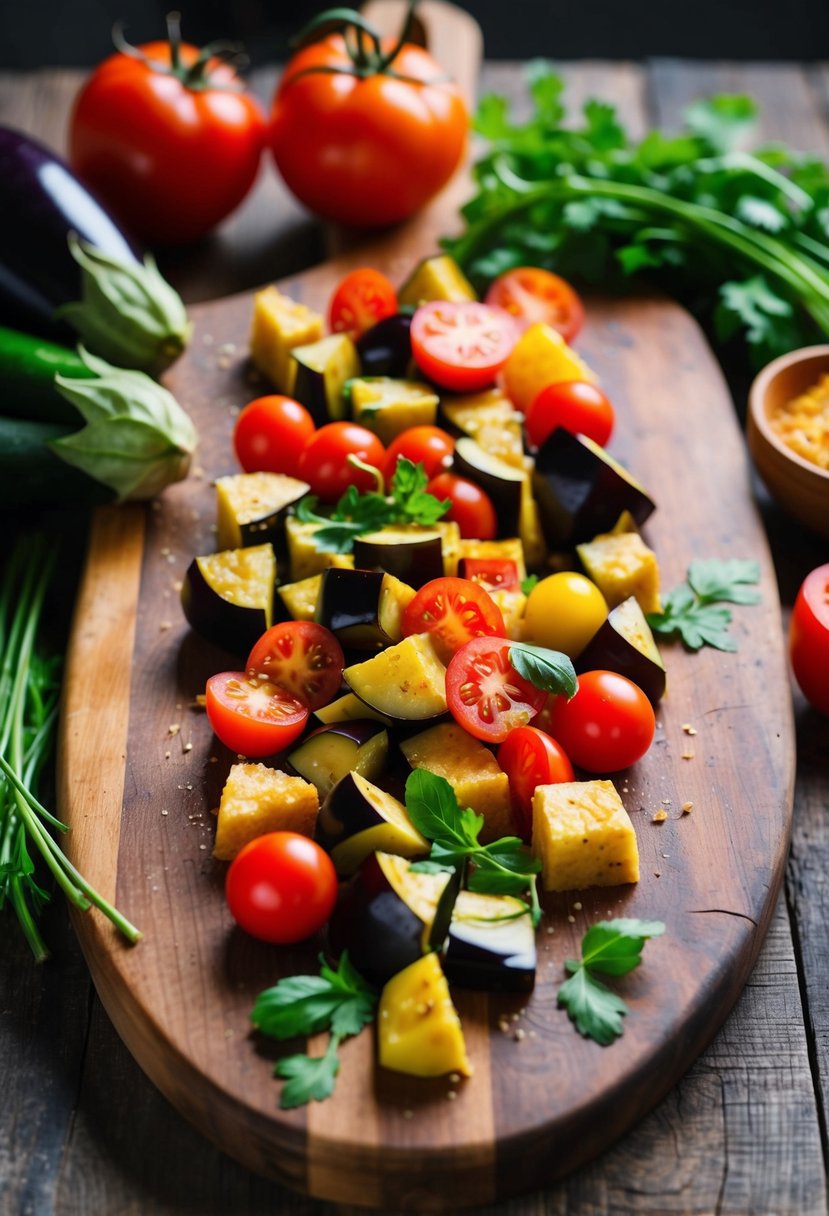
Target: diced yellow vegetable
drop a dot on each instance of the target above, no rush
(388, 407)
(304, 557)
(540, 357)
(622, 565)
(251, 507)
(280, 324)
(418, 1028)
(257, 799)
(406, 680)
(300, 598)
(583, 836)
(470, 768)
(437, 278)
(347, 708)
(492, 421)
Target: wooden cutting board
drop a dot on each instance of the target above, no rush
(140, 774)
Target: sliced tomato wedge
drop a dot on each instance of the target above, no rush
(453, 610)
(251, 715)
(530, 294)
(363, 297)
(302, 657)
(491, 573)
(531, 758)
(485, 694)
(462, 345)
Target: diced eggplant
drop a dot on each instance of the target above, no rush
(491, 944)
(501, 481)
(322, 370)
(490, 419)
(279, 325)
(406, 681)
(624, 643)
(358, 818)
(252, 509)
(413, 555)
(386, 348)
(299, 600)
(389, 406)
(436, 278)
(582, 491)
(384, 916)
(304, 558)
(349, 708)
(330, 752)
(364, 608)
(227, 597)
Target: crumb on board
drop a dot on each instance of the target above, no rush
(687, 807)
(660, 815)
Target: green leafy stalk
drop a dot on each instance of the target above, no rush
(503, 867)
(695, 610)
(338, 1001)
(29, 689)
(613, 948)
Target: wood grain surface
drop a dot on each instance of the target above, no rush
(82, 1128)
(537, 1107)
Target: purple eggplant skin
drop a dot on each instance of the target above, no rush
(41, 202)
(491, 958)
(386, 349)
(371, 921)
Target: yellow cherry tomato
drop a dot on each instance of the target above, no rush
(563, 612)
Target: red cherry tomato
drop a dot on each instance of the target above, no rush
(608, 725)
(324, 459)
(171, 156)
(576, 405)
(809, 638)
(302, 657)
(363, 298)
(281, 887)
(461, 345)
(453, 610)
(530, 294)
(491, 573)
(270, 434)
(530, 758)
(485, 694)
(366, 149)
(426, 445)
(471, 508)
(252, 716)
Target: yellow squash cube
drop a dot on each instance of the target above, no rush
(418, 1028)
(621, 565)
(257, 799)
(583, 836)
(280, 324)
(470, 768)
(540, 357)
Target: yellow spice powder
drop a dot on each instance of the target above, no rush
(803, 423)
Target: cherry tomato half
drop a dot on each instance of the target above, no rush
(461, 345)
(281, 887)
(453, 610)
(563, 612)
(471, 508)
(363, 298)
(491, 573)
(576, 405)
(270, 434)
(324, 459)
(251, 716)
(485, 694)
(530, 758)
(302, 657)
(530, 294)
(426, 445)
(170, 154)
(809, 638)
(608, 725)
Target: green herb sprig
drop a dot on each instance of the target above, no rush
(742, 237)
(695, 610)
(504, 867)
(339, 1001)
(407, 502)
(612, 947)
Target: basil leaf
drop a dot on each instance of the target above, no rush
(549, 670)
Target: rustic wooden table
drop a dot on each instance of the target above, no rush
(83, 1131)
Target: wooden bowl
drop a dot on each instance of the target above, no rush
(798, 485)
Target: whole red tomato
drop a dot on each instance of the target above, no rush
(281, 887)
(170, 149)
(323, 462)
(809, 638)
(366, 144)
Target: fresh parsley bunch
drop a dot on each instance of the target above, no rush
(748, 235)
(407, 502)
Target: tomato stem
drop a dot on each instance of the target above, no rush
(197, 75)
(367, 60)
(372, 470)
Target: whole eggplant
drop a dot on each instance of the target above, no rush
(61, 250)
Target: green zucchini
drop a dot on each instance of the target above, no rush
(28, 366)
(32, 475)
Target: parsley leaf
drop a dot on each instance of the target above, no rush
(694, 610)
(337, 1000)
(408, 491)
(549, 670)
(611, 948)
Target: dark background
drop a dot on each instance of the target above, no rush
(77, 32)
